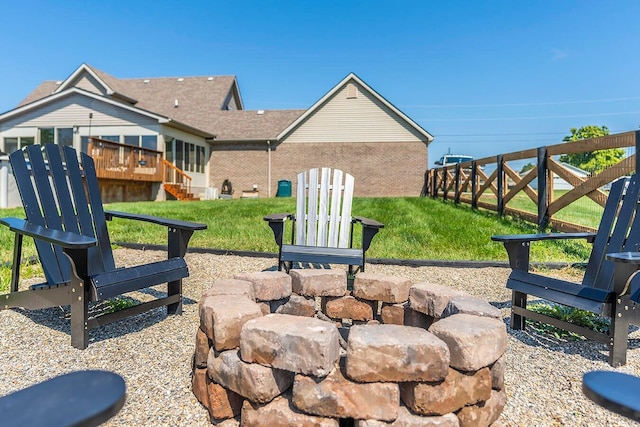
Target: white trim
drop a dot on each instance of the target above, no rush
(59, 95)
(76, 90)
(83, 68)
(237, 89)
(335, 89)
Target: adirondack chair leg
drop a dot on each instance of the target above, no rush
(79, 315)
(518, 299)
(174, 288)
(281, 263)
(287, 266)
(15, 267)
(79, 298)
(619, 330)
(177, 247)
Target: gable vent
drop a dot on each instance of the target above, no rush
(352, 91)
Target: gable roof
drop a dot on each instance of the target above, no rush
(109, 83)
(197, 98)
(336, 88)
(197, 104)
(75, 90)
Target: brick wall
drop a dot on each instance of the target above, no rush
(379, 169)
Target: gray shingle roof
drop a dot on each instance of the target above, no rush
(250, 125)
(200, 101)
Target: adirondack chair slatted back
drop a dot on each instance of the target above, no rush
(619, 230)
(323, 208)
(55, 195)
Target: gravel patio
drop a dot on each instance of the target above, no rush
(153, 352)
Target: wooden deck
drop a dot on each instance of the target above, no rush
(125, 162)
(128, 173)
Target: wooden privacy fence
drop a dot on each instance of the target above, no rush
(472, 183)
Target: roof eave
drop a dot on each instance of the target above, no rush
(186, 127)
(251, 140)
(124, 97)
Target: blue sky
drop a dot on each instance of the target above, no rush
(482, 77)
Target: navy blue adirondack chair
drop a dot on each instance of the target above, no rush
(79, 399)
(65, 217)
(605, 286)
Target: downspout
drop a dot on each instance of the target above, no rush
(269, 168)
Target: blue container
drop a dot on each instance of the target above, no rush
(284, 188)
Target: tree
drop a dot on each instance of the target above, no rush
(594, 161)
(527, 168)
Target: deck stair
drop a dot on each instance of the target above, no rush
(179, 191)
(177, 183)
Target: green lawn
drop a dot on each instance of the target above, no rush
(415, 228)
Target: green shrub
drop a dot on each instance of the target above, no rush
(568, 314)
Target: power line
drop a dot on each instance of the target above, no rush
(523, 104)
(504, 134)
(570, 116)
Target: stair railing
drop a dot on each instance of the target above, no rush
(175, 175)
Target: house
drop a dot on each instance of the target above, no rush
(197, 129)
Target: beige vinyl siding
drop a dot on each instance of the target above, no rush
(74, 110)
(353, 119)
(87, 82)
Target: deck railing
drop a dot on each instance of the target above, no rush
(472, 183)
(120, 161)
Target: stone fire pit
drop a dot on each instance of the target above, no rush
(276, 349)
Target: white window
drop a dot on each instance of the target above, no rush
(12, 144)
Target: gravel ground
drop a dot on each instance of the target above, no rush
(153, 352)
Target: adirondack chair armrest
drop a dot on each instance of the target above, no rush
(65, 239)
(369, 229)
(279, 217)
(626, 267)
(276, 223)
(517, 245)
(181, 225)
(366, 222)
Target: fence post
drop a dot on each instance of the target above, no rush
(425, 184)
(444, 183)
(543, 197)
(500, 183)
(637, 151)
(474, 187)
(457, 184)
(434, 185)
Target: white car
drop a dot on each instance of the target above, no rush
(452, 159)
